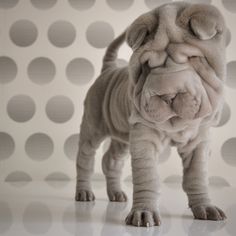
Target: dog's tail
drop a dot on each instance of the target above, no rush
(109, 59)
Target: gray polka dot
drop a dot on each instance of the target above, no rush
(58, 184)
(59, 109)
(18, 184)
(21, 108)
(41, 70)
(230, 5)
(8, 70)
(8, 3)
(17, 176)
(228, 151)
(231, 74)
(100, 34)
(228, 37)
(128, 181)
(71, 146)
(155, 3)
(173, 181)
(98, 177)
(77, 219)
(37, 218)
(80, 71)
(57, 176)
(231, 214)
(43, 4)
(61, 34)
(7, 146)
(164, 155)
(218, 181)
(225, 116)
(6, 218)
(120, 5)
(121, 63)
(39, 147)
(23, 33)
(82, 4)
(199, 1)
(57, 179)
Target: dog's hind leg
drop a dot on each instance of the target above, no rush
(112, 164)
(90, 140)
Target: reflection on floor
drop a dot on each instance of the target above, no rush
(48, 208)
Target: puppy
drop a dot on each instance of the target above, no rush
(171, 93)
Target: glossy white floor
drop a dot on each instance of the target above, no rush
(48, 208)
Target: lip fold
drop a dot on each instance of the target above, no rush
(157, 110)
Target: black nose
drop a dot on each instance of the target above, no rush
(168, 98)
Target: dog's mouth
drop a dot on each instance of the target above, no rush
(175, 94)
(177, 65)
(164, 107)
(175, 88)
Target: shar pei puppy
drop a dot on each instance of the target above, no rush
(171, 93)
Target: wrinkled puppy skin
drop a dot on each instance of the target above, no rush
(171, 93)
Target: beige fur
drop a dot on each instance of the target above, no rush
(170, 94)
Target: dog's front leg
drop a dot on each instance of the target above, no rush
(144, 145)
(195, 181)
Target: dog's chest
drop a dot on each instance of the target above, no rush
(183, 136)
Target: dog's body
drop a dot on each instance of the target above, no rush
(170, 94)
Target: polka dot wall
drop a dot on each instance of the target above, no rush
(50, 54)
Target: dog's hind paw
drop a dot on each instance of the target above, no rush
(84, 195)
(117, 196)
(144, 218)
(208, 212)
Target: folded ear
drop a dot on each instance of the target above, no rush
(135, 35)
(203, 21)
(204, 27)
(140, 29)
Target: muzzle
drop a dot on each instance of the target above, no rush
(174, 92)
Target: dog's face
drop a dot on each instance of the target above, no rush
(178, 63)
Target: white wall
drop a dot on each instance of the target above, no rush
(50, 54)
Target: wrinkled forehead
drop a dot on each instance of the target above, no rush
(199, 25)
(173, 20)
(165, 28)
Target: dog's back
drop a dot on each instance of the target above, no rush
(103, 106)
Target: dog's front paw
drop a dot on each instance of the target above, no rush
(143, 217)
(208, 212)
(84, 195)
(117, 196)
